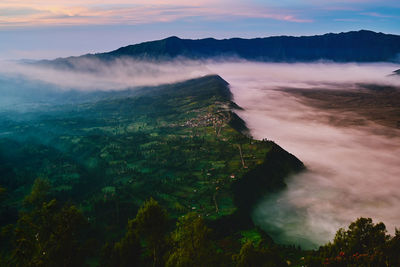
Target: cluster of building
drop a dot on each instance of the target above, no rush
(209, 119)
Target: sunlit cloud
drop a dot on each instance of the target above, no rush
(376, 15)
(102, 25)
(33, 13)
(347, 20)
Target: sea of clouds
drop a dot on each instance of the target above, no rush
(352, 171)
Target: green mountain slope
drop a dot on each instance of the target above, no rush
(181, 144)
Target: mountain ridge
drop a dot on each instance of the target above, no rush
(353, 46)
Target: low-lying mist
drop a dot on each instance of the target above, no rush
(94, 74)
(24, 86)
(352, 172)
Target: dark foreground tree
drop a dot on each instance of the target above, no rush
(251, 256)
(3, 192)
(392, 250)
(47, 234)
(151, 224)
(50, 236)
(39, 193)
(192, 243)
(126, 252)
(363, 244)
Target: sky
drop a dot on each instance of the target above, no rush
(35, 29)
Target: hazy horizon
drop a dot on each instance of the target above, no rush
(48, 29)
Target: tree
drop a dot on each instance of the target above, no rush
(251, 256)
(392, 249)
(152, 224)
(126, 252)
(362, 237)
(363, 244)
(39, 193)
(193, 245)
(3, 192)
(247, 256)
(129, 249)
(50, 234)
(65, 244)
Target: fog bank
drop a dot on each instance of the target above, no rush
(351, 171)
(27, 86)
(94, 74)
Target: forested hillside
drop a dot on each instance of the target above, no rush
(93, 164)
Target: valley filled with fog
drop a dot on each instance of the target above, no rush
(200, 133)
(353, 170)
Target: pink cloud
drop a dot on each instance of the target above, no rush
(347, 20)
(376, 15)
(92, 12)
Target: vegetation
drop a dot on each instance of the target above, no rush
(46, 234)
(181, 144)
(162, 176)
(99, 162)
(192, 243)
(51, 234)
(363, 244)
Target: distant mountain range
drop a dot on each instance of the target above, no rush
(355, 46)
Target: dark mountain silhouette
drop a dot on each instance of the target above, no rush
(355, 46)
(360, 46)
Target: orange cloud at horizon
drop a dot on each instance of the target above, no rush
(99, 12)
